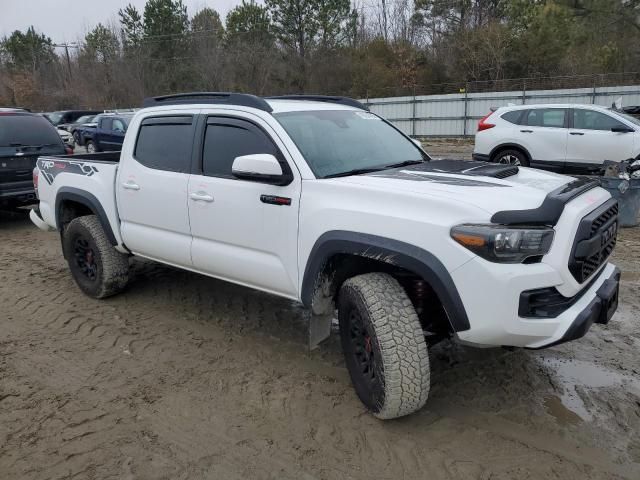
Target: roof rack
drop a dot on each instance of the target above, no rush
(227, 98)
(323, 98)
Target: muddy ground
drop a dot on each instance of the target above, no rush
(186, 377)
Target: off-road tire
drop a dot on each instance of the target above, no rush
(400, 384)
(522, 159)
(111, 266)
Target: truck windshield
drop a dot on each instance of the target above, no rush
(336, 142)
(27, 130)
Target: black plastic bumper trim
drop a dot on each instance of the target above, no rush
(600, 310)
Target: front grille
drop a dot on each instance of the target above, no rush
(595, 240)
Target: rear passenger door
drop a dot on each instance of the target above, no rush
(544, 134)
(591, 140)
(243, 231)
(152, 189)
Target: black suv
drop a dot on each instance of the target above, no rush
(23, 137)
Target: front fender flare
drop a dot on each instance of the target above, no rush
(394, 252)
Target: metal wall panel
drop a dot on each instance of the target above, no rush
(454, 115)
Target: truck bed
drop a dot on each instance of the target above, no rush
(89, 178)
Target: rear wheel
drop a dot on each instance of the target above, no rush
(511, 157)
(97, 267)
(384, 346)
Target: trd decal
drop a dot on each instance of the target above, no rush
(51, 168)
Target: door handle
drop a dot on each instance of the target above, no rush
(576, 133)
(131, 186)
(201, 197)
(526, 131)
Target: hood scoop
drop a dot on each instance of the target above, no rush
(466, 167)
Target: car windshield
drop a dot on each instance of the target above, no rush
(27, 130)
(55, 117)
(85, 119)
(336, 142)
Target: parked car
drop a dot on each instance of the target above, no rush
(565, 138)
(73, 126)
(317, 200)
(23, 136)
(108, 134)
(64, 117)
(67, 138)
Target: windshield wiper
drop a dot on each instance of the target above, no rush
(356, 171)
(406, 163)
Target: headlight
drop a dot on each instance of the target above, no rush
(498, 243)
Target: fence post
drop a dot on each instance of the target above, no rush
(524, 91)
(466, 109)
(593, 91)
(413, 114)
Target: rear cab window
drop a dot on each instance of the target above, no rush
(165, 143)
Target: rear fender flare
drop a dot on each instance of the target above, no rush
(88, 200)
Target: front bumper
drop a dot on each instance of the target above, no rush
(493, 308)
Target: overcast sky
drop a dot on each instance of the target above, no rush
(69, 20)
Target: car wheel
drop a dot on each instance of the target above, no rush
(511, 157)
(76, 138)
(383, 344)
(97, 267)
(91, 147)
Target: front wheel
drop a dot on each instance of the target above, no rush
(97, 267)
(91, 147)
(384, 346)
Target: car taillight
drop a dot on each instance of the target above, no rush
(483, 124)
(68, 149)
(36, 176)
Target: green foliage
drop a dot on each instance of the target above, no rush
(249, 22)
(101, 45)
(131, 26)
(26, 51)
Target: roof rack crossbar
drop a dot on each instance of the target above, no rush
(323, 98)
(216, 98)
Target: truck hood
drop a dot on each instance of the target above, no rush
(491, 187)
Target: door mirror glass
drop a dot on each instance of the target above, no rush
(622, 129)
(259, 167)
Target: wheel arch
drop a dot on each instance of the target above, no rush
(393, 253)
(509, 146)
(71, 201)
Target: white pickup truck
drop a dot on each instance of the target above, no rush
(318, 200)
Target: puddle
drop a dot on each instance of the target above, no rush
(569, 408)
(562, 414)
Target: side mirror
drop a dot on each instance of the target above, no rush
(622, 129)
(259, 167)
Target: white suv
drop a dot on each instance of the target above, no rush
(572, 138)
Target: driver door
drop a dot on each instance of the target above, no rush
(244, 231)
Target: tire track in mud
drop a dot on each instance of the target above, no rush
(185, 376)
